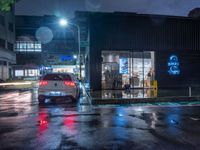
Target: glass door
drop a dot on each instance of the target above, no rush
(138, 70)
(115, 69)
(148, 69)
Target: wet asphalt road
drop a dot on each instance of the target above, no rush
(26, 125)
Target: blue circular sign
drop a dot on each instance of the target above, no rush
(173, 65)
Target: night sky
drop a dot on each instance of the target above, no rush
(66, 8)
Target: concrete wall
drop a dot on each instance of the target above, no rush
(4, 72)
(7, 36)
(6, 59)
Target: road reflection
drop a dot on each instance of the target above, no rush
(20, 102)
(70, 124)
(57, 117)
(43, 122)
(133, 93)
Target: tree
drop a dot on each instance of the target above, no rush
(195, 13)
(5, 5)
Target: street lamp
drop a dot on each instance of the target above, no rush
(74, 56)
(64, 23)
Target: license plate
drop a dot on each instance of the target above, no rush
(55, 93)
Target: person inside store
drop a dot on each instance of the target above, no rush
(127, 88)
(149, 78)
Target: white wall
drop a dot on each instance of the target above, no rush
(4, 72)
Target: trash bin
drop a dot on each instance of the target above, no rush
(154, 84)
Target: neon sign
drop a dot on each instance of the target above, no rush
(173, 65)
(66, 58)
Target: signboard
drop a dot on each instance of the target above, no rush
(123, 65)
(173, 65)
(53, 59)
(66, 57)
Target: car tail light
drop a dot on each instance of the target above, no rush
(43, 83)
(69, 83)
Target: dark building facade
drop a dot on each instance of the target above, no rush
(7, 40)
(27, 48)
(129, 48)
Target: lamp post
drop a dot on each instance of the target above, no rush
(64, 23)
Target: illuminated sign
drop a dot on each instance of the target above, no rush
(123, 65)
(66, 58)
(173, 65)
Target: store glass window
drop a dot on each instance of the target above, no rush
(33, 72)
(38, 47)
(26, 73)
(149, 70)
(19, 73)
(22, 46)
(136, 76)
(30, 46)
(125, 68)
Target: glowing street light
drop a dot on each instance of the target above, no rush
(74, 56)
(64, 23)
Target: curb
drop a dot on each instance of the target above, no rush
(144, 100)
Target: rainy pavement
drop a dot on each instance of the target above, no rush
(26, 125)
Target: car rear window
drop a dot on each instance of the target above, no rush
(57, 77)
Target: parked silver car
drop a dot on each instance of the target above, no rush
(59, 87)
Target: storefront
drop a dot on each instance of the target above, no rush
(127, 68)
(134, 49)
(26, 72)
(68, 69)
(63, 63)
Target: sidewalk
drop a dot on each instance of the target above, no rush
(142, 96)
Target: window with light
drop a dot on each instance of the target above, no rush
(28, 46)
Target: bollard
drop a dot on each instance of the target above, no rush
(190, 91)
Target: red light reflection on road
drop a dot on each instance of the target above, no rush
(43, 122)
(69, 123)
